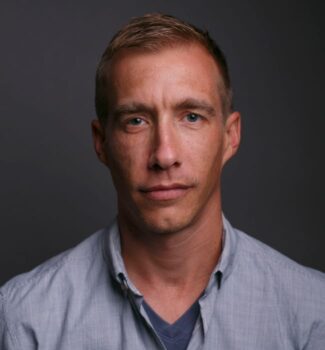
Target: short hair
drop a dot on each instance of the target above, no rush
(154, 32)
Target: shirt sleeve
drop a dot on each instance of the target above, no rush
(6, 340)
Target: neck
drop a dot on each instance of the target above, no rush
(172, 270)
(175, 259)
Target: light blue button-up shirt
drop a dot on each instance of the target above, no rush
(83, 299)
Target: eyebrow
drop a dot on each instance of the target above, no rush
(188, 103)
(131, 108)
(193, 103)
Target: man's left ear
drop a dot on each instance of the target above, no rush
(231, 136)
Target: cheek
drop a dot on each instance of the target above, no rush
(125, 157)
(207, 153)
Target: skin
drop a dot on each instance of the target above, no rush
(165, 143)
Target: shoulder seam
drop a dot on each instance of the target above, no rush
(282, 260)
(58, 263)
(13, 338)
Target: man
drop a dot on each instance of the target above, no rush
(171, 272)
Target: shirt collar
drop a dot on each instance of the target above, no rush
(113, 256)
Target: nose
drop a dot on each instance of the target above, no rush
(165, 147)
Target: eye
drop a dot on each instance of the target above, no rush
(193, 117)
(134, 124)
(135, 121)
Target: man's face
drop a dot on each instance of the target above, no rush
(165, 141)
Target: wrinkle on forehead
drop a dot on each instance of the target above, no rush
(182, 73)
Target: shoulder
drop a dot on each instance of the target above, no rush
(66, 264)
(269, 261)
(51, 285)
(297, 292)
(283, 299)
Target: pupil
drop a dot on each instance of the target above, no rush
(192, 117)
(135, 121)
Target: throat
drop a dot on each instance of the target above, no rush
(171, 271)
(190, 315)
(171, 309)
(172, 258)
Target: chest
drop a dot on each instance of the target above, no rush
(221, 325)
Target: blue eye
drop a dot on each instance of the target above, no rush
(135, 121)
(193, 117)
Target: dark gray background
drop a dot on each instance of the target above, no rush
(53, 190)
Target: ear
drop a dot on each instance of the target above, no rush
(231, 136)
(99, 140)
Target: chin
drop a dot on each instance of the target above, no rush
(160, 220)
(164, 225)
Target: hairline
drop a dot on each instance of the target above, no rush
(103, 68)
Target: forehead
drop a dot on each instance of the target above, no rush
(168, 73)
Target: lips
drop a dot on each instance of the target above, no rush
(165, 192)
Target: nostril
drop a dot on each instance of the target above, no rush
(162, 166)
(156, 167)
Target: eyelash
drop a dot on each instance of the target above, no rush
(138, 121)
(132, 120)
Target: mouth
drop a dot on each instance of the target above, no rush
(165, 192)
